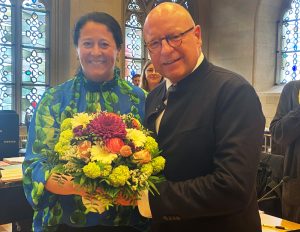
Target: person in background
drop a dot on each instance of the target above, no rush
(209, 126)
(285, 130)
(136, 79)
(98, 40)
(150, 78)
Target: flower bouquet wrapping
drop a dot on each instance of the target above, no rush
(112, 156)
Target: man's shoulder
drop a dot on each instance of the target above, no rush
(157, 90)
(227, 75)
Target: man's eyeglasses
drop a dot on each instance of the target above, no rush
(173, 41)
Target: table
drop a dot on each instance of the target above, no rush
(13, 204)
(269, 222)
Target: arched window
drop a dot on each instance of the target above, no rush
(290, 44)
(24, 54)
(135, 51)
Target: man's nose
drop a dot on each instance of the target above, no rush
(165, 47)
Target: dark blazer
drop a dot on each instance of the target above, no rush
(285, 128)
(211, 135)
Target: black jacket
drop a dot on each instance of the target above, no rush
(211, 135)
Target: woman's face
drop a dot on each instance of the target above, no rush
(153, 78)
(97, 52)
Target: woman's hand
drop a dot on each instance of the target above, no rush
(121, 200)
(63, 185)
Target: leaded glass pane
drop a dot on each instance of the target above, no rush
(30, 97)
(5, 22)
(33, 4)
(132, 67)
(133, 6)
(290, 53)
(5, 64)
(6, 97)
(33, 28)
(33, 71)
(133, 42)
(34, 53)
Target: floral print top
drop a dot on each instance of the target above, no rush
(58, 103)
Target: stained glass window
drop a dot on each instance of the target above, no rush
(134, 47)
(24, 54)
(290, 52)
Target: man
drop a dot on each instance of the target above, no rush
(136, 79)
(210, 133)
(285, 128)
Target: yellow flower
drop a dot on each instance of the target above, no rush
(136, 136)
(98, 153)
(91, 170)
(81, 119)
(66, 124)
(151, 145)
(64, 141)
(119, 176)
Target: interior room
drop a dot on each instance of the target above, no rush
(240, 35)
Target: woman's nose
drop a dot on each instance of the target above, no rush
(96, 50)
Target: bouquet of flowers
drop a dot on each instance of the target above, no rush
(112, 156)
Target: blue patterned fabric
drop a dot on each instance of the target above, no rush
(58, 103)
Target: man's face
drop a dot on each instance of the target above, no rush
(174, 63)
(136, 81)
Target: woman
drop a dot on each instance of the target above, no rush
(150, 78)
(97, 86)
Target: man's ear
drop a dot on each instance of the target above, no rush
(197, 32)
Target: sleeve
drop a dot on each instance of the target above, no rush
(229, 187)
(40, 157)
(285, 126)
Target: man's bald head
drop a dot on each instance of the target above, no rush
(173, 39)
(170, 10)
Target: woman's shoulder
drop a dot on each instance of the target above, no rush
(129, 87)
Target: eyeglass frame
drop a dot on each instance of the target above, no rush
(169, 38)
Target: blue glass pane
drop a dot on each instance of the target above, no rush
(33, 71)
(5, 2)
(290, 59)
(290, 69)
(33, 4)
(133, 6)
(133, 38)
(6, 96)
(5, 23)
(133, 21)
(132, 66)
(5, 64)
(33, 28)
(31, 95)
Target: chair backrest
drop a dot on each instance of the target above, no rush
(9, 133)
(269, 175)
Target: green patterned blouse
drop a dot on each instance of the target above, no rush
(58, 103)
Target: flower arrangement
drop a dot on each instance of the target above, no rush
(112, 156)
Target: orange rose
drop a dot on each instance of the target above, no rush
(114, 145)
(84, 149)
(126, 151)
(142, 156)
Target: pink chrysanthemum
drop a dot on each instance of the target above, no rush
(107, 125)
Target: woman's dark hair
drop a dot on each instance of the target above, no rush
(103, 18)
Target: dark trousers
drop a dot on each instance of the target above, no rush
(65, 228)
